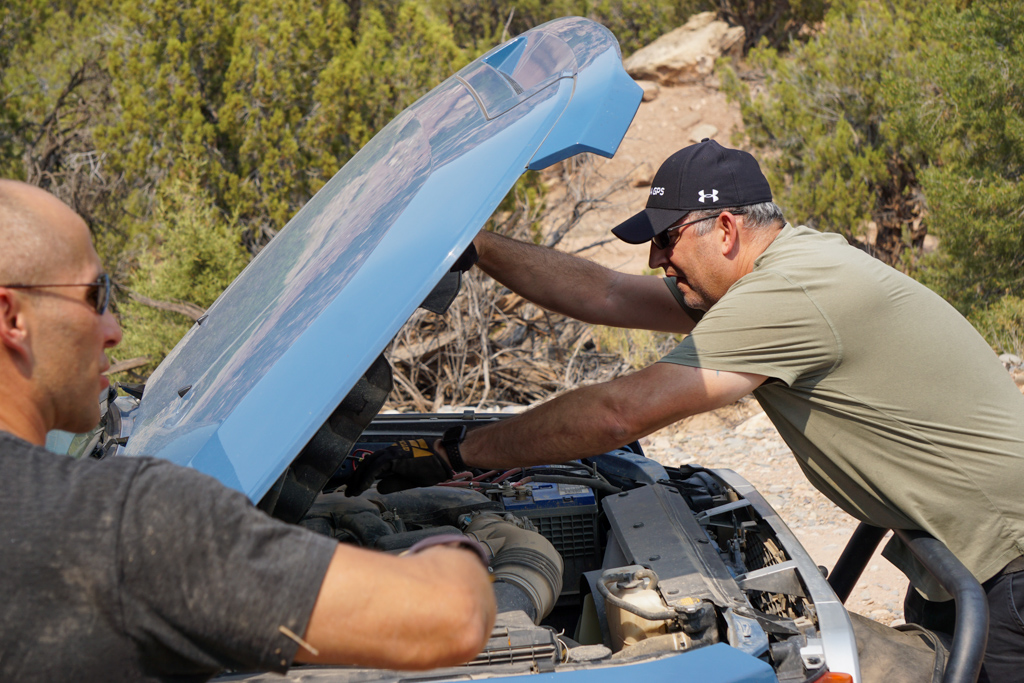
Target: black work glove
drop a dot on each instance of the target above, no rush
(402, 465)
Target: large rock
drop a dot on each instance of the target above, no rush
(687, 54)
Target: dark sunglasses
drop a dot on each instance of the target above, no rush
(98, 296)
(662, 240)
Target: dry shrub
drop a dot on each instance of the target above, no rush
(492, 348)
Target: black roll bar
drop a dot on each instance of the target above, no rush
(854, 559)
(971, 631)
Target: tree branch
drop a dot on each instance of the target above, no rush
(189, 310)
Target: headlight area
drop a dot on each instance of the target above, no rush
(613, 560)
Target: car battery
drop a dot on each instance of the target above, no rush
(565, 514)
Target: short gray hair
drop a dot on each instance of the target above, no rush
(756, 216)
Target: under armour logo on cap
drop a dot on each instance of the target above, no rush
(676, 188)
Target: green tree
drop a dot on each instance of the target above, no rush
(381, 72)
(257, 103)
(272, 97)
(279, 53)
(962, 105)
(821, 127)
(196, 249)
(52, 92)
(907, 117)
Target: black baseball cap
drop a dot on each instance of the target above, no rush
(696, 178)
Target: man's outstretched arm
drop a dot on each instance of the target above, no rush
(602, 417)
(580, 288)
(432, 609)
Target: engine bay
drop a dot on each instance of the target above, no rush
(607, 559)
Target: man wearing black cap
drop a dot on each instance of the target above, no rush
(840, 350)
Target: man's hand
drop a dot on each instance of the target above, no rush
(434, 608)
(402, 465)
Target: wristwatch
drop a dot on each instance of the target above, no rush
(451, 439)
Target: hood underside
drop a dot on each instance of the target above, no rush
(250, 384)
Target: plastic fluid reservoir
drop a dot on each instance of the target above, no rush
(633, 590)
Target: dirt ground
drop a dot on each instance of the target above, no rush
(738, 437)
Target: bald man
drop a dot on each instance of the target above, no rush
(135, 569)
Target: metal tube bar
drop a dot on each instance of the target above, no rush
(971, 633)
(855, 557)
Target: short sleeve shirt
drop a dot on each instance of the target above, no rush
(895, 407)
(135, 569)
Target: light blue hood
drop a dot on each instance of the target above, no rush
(247, 388)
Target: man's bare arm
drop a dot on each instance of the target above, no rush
(602, 417)
(435, 608)
(580, 288)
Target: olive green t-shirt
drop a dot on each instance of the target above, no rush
(895, 407)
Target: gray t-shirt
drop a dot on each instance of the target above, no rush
(894, 406)
(135, 569)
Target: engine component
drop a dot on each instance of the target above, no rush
(526, 567)
(394, 521)
(567, 515)
(515, 639)
(668, 642)
(634, 609)
(522, 558)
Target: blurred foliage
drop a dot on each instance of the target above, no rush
(638, 348)
(482, 24)
(195, 250)
(963, 107)
(821, 124)
(899, 119)
(187, 135)
(123, 107)
(777, 23)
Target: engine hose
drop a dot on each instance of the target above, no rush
(617, 575)
(521, 558)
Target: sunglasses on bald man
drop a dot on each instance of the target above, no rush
(98, 296)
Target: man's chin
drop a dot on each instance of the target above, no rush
(691, 299)
(81, 421)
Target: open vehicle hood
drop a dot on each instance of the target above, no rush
(276, 355)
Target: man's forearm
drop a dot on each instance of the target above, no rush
(599, 418)
(584, 422)
(556, 432)
(579, 288)
(547, 277)
(418, 612)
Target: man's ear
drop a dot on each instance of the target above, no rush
(729, 236)
(13, 324)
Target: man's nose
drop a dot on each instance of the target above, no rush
(111, 330)
(657, 258)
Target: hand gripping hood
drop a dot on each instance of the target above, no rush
(247, 388)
